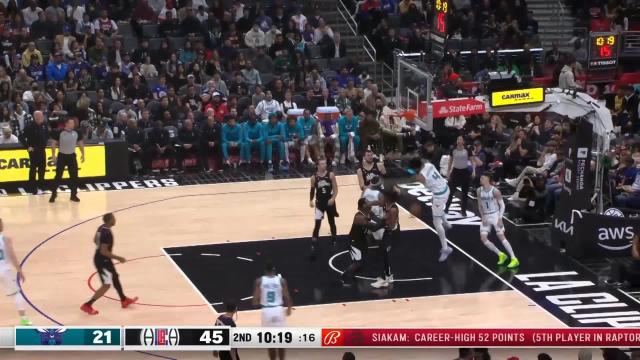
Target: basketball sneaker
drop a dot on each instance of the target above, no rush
(444, 254)
(128, 301)
(380, 283)
(25, 322)
(502, 258)
(514, 263)
(89, 309)
(511, 182)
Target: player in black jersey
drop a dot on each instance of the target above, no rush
(226, 319)
(360, 230)
(103, 260)
(325, 190)
(392, 228)
(369, 168)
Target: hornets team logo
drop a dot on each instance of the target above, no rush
(50, 336)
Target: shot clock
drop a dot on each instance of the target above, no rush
(439, 28)
(603, 50)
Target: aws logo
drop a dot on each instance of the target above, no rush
(621, 234)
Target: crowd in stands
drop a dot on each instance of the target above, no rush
(175, 78)
(245, 83)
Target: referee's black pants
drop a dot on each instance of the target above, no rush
(461, 178)
(37, 166)
(70, 162)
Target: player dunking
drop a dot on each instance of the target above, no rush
(8, 278)
(491, 207)
(369, 169)
(226, 319)
(392, 229)
(271, 292)
(103, 260)
(428, 175)
(324, 188)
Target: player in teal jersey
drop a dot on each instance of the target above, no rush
(273, 134)
(252, 138)
(231, 138)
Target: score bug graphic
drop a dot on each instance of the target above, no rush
(160, 337)
(177, 338)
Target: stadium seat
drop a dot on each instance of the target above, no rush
(266, 78)
(177, 42)
(329, 75)
(393, 20)
(44, 45)
(322, 64)
(337, 63)
(455, 45)
(71, 97)
(468, 44)
(314, 51)
(124, 28)
(488, 43)
(154, 44)
(150, 30)
(129, 42)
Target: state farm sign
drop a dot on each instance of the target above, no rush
(457, 107)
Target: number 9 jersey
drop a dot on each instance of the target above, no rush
(271, 299)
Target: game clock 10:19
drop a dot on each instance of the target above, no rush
(603, 50)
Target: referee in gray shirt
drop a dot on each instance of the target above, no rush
(66, 141)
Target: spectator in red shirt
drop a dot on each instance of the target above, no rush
(218, 105)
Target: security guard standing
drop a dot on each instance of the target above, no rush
(66, 141)
(35, 138)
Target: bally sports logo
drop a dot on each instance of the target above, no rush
(331, 337)
(160, 337)
(457, 107)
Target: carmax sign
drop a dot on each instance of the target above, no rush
(517, 97)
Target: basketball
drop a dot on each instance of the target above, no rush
(415, 209)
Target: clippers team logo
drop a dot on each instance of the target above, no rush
(332, 337)
(613, 212)
(160, 337)
(50, 336)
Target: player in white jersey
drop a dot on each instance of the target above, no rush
(271, 292)
(428, 175)
(374, 197)
(491, 207)
(8, 278)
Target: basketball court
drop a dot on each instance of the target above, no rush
(191, 247)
